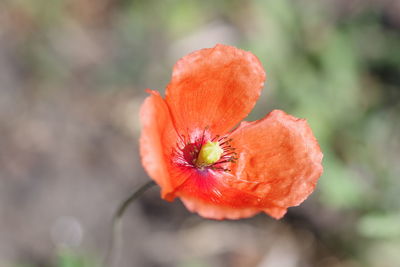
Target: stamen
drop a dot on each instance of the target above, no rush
(226, 142)
(203, 152)
(215, 137)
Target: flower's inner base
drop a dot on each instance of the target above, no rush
(204, 152)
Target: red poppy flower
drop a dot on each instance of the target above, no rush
(189, 144)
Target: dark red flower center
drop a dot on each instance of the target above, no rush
(204, 151)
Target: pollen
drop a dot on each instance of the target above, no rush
(209, 154)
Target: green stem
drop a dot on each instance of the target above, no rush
(117, 223)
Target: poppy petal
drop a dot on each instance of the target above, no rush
(215, 87)
(157, 139)
(206, 193)
(217, 212)
(275, 212)
(279, 159)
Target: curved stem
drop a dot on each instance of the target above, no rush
(117, 223)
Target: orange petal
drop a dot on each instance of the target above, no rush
(275, 212)
(215, 87)
(157, 140)
(217, 212)
(279, 160)
(206, 193)
(209, 195)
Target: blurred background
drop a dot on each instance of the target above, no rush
(72, 78)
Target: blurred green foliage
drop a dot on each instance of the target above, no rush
(67, 258)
